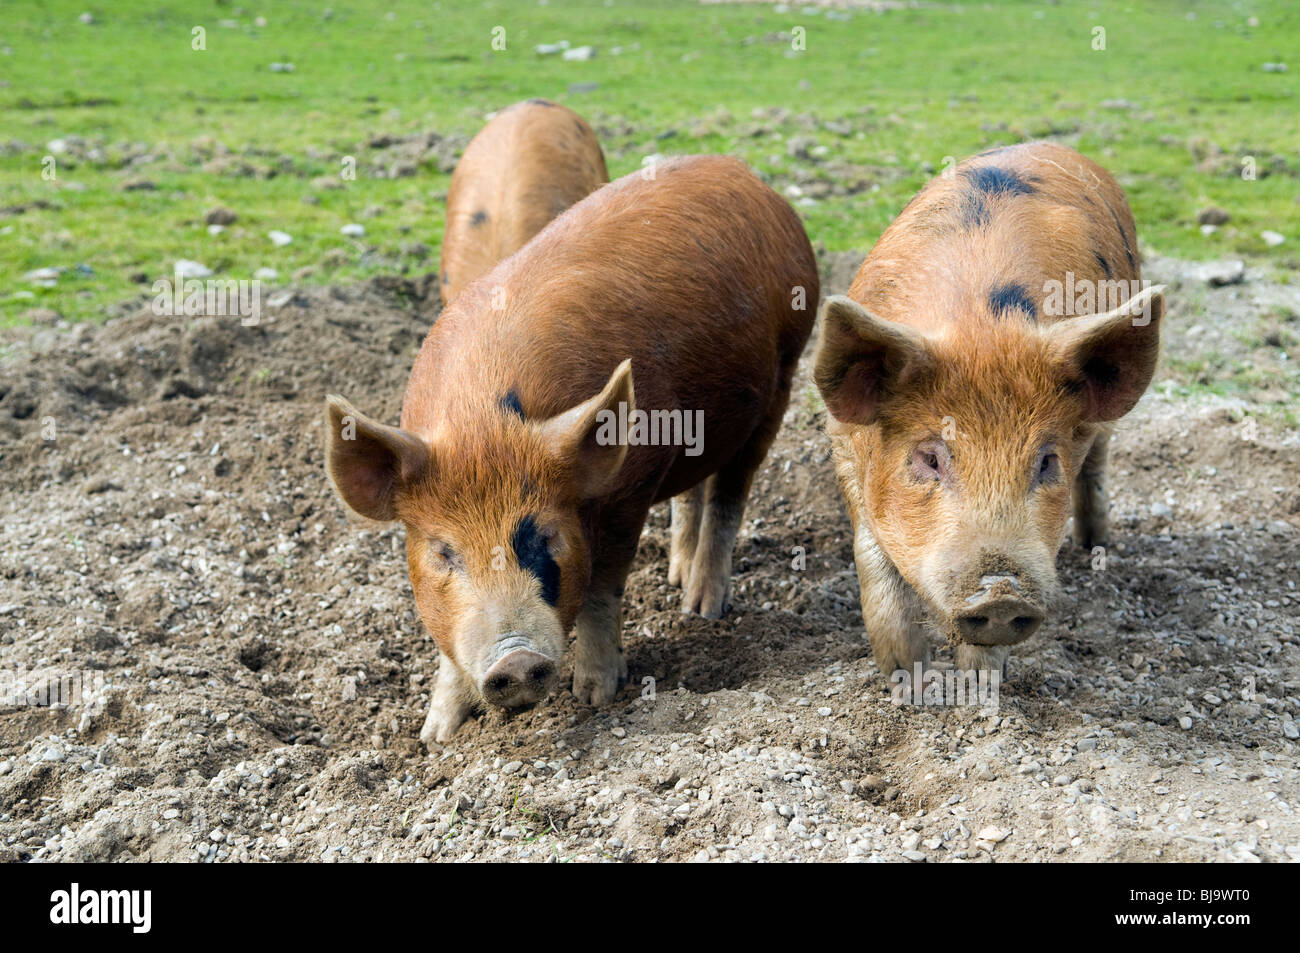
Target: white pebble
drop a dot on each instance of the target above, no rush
(184, 268)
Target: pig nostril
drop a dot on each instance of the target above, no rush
(973, 625)
(498, 683)
(1026, 625)
(540, 673)
(1002, 624)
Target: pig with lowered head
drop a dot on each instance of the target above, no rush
(522, 488)
(972, 374)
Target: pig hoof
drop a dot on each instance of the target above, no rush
(710, 601)
(442, 723)
(890, 662)
(596, 683)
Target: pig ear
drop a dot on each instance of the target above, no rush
(861, 359)
(1111, 357)
(367, 461)
(585, 438)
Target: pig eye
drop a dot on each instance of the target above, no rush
(442, 557)
(1049, 469)
(554, 540)
(931, 461)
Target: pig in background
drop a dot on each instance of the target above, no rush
(695, 281)
(527, 165)
(971, 406)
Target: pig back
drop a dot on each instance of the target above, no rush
(699, 273)
(996, 235)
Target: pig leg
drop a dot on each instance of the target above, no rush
(599, 667)
(686, 534)
(709, 584)
(890, 611)
(1091, 526)
(453, 699)
(983, 658)
(708, 589)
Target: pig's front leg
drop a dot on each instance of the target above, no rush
(599, 667)
(453, 700)
(983, 658)
(1091, 523)
(890, 611)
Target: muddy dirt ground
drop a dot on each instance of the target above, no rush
(264, 676)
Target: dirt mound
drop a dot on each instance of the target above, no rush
(255, 676)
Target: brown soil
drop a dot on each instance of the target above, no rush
(266, 675)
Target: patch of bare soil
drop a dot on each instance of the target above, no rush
(254, 674)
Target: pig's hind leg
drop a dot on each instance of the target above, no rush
(708, 585)
(453, 700)
(1091, 524)
(686, 508)
(708, 589)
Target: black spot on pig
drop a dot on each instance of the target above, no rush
(534, 556)
(511, 403)
(995, 180)
(1013, 297)
(974, 212)
(478, 218)
(1102, 263)
(1128, 248)
(540, 102)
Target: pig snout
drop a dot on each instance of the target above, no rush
(996, 613)
(520, 676)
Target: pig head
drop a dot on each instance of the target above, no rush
(959, 449)
(496, 543)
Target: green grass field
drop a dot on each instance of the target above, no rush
(1174, 104)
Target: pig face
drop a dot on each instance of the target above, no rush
(967, 443)
(495, 542)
